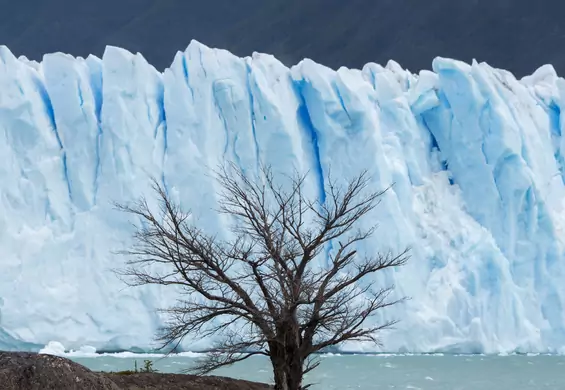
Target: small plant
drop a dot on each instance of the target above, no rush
(148, 367)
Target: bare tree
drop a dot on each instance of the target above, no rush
(265, 291)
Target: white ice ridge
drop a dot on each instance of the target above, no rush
(477, 158)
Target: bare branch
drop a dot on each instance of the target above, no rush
(263, 290)
(232, 349)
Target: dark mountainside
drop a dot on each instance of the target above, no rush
(518, 35)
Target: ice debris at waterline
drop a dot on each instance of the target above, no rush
(86, 351)
(477, 157)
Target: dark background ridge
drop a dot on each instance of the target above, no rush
(517, 35)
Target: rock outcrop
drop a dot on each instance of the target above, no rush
(29, 371)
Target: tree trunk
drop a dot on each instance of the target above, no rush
(288, 375)
(287, 361)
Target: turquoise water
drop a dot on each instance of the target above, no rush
(388, 372)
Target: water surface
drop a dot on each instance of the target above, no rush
(425, 372)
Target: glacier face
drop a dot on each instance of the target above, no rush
(477, 158)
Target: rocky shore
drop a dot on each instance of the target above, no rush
(29, 371)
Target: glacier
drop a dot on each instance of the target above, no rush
(476, 156)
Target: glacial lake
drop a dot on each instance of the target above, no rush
(425, 372)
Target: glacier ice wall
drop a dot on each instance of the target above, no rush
(477, 158)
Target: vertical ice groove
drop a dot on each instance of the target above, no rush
(558, 135)
(165, 146)
(97, 163)
(304, 116)
(201, 59)
(80, 98)
(224, 127)
(68, 81)
(558, 152)
(249, 78)
(95, 79)
(186, 75)
(94, 67)
(51, 115)
(341, 102)
(304, 88)
(435, 145)
(160, 123)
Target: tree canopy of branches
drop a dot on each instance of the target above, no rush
(272, 288)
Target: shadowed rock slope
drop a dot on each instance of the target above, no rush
(29, 371)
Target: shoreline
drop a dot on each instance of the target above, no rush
(155, 381)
